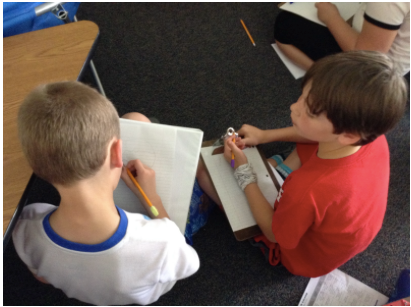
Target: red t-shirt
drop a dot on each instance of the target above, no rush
(329, 210)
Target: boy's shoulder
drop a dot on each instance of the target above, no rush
(318, 174)
(36, 211)
(159, 230)
(378, 149)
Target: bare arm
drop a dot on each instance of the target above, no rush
(261, 209)
(288, 134)
(295, 55)
(375, 38)
(259, 206)
(345, 36)
(253, 136)
(371, 37)
(145, 176)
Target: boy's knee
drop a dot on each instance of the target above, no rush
(136, 116)
(293, 160)
(272, 162)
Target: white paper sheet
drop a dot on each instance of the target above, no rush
(277, 176)
(173, 153)
(295, 70)
(339, 289)
(232, 197)
(309, 11)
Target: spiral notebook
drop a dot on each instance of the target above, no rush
(173, 153)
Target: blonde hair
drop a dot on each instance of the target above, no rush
(360, 92)
(64, 129)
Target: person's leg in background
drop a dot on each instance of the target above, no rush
(285, 165)
(136, 116)
(206, 184)
(302, 40)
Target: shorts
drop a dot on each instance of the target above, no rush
(314, 40)
(200, 208)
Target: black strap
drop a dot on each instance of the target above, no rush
(381, 24)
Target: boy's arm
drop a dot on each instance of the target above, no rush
(261, 209)
(145, 176)
(288, 134)
(371, 37)
(345, 36)
(253, 136)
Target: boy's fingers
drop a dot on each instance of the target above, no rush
(228, 140)
(139, 166)
(241, 131)
(233, 147)
(130, 164)
(135, 165)
(240, 143)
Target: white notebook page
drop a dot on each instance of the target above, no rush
(173, 153)
(295, 70)
(309, 11)
(232, 197)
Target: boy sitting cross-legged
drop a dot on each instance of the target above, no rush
(332, 203)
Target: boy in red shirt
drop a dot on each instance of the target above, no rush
(332, 204)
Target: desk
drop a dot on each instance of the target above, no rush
(55, 54)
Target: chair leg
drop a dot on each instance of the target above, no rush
(97, 79)
(94, 72)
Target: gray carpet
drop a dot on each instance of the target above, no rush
(193, 65)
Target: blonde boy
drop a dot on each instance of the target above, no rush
(88, 247)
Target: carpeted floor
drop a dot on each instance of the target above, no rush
(193, 65)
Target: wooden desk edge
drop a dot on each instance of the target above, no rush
(23, 199)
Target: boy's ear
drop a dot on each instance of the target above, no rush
(349, 138)
(116, 153)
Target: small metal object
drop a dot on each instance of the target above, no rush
(56, 8)
(46, 7)
(230, 132)
(61, 13)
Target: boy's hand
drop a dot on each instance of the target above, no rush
(252, 136)
(145, 176)
(326, 11)
(239, 157)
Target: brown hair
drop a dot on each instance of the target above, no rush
(64, 129)
(360, 92)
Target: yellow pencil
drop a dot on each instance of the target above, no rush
(152, 208)
(248, 33)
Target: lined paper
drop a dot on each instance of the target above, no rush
(232, 197)
(173, 153)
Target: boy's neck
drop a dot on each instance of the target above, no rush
(336, 150)
(87, 213)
